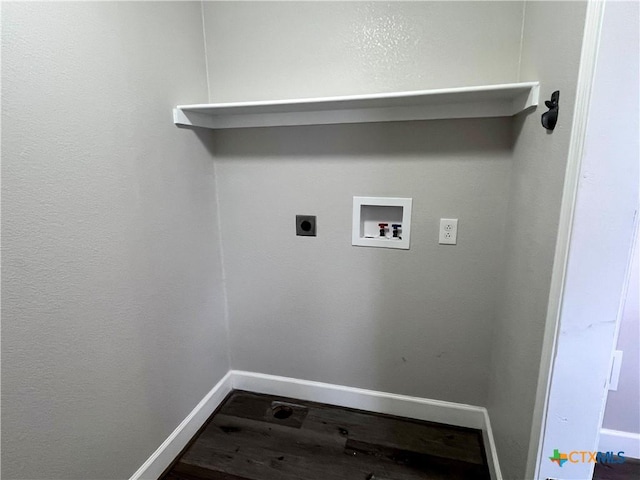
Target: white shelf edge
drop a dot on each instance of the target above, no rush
(464, 102)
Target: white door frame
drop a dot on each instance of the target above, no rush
(586, 77)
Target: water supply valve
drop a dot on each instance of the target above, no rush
(383, 229)
(396, 230)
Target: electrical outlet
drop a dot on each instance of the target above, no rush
(448, 231)
(306, 225)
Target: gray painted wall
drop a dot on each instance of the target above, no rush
(112, 302)
(539, 162)
(274, 50)
(415, 322)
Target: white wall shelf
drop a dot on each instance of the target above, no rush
(464, 102)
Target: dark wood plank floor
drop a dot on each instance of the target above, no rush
(260, 437)
(628, 470)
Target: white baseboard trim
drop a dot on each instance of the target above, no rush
(490, 448)
(370, 400)
(166, 453)
(380, 402)
(617, 441)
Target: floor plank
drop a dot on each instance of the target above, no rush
(628, 470)
(260, 437)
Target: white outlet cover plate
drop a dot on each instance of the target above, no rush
(448, 231)
(358, 236)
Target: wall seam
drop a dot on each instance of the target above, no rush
(227, 323)
(206, 56)
(524, 12)
(217, 199)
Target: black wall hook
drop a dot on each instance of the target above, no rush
(550, 118)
